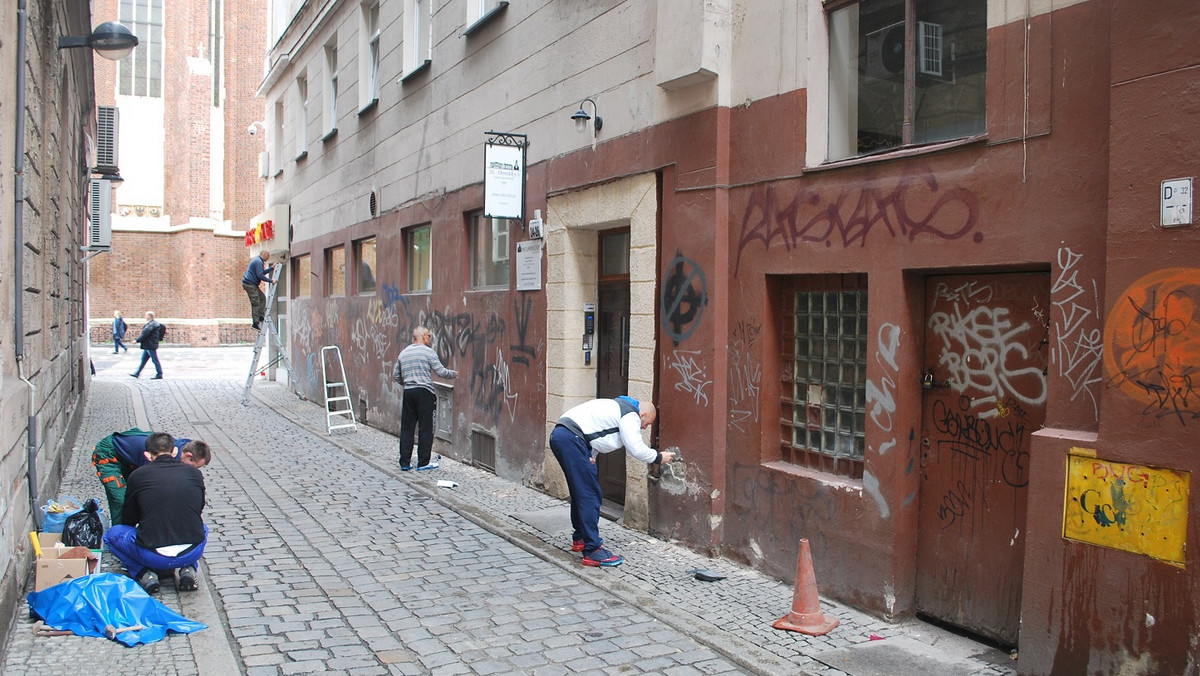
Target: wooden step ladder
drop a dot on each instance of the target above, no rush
(337, 394)
(268, 333)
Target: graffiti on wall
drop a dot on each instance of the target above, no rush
(1133, 508)
(372, 333)
(1078, 346)
(1152, 344)
(745, 374)
(693, 379)
(789, 506)
(684, 296)
(906, 208)
(982, 349)
(882, 401)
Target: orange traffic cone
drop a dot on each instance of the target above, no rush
(806, 616)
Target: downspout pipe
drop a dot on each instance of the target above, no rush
(19, 262)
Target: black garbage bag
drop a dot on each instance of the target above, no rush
(84, 528)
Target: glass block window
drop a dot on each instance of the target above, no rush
(825, 373)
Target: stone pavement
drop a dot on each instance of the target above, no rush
(324, 558)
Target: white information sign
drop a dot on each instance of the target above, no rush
(529, 265)
(1177, 202)
(504, 181)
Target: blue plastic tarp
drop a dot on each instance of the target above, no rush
(86, 605)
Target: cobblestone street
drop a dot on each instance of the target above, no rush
(324, 558)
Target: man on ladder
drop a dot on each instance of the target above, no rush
(260, 307)
(256, 274)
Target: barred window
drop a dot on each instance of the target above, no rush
(824, 373)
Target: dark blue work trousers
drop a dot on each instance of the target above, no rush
(583, 483)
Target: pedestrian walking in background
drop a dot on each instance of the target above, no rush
(598, 426)
(412, 370)
(161, 524)
(119, 329)
(256, 273)
(151, 334)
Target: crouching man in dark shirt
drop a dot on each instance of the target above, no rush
(165, 531)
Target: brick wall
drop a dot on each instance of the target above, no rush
(191, 280)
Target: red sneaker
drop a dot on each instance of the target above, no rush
(577, 546)
(602, 557)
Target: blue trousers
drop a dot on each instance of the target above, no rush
(583, 484)
(122, 542)
(148, 355)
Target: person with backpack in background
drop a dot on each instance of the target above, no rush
(152, 333)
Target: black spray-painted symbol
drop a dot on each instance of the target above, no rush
(684, 296)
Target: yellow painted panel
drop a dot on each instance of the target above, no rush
(1129, 507)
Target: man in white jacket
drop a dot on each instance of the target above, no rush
(598, 426)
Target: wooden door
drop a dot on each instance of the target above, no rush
(986, 354)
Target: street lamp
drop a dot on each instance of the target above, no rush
(111, 40)
(581, 117)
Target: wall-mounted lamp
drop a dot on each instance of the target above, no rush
(581, 117)
(254, 127)
(111, 40)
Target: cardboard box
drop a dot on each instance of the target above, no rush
(51, 569)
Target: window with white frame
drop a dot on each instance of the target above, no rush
(140, 73)
(419, 256)
(489, 251)
(329, 114)
(418, 18)
(892, 84)
(301, 117)
(277, 140)
(479, 12)
(368, 61)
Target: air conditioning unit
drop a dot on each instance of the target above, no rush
(929, 48)
(106, 139)
(264, 164)
(499, 240)
(100, 216)
(885, 52)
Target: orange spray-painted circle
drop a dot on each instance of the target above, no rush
(1152, 342)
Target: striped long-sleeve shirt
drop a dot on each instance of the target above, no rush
(415, 364)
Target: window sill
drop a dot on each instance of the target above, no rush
(300, 156)
(831, 480)
(485, 19)
(420, 67)
(898, 153)
(368, 107)
(492, 288)
(277, 174)
(329, 134)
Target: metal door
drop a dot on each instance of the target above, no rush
(986, 351)
(612, 374)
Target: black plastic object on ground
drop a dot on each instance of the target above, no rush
(84, 528)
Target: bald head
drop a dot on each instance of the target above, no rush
(647, 413)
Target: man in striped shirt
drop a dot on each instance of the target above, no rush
(412, 370)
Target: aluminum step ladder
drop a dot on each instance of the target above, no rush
(268, 334)
(337, 394)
